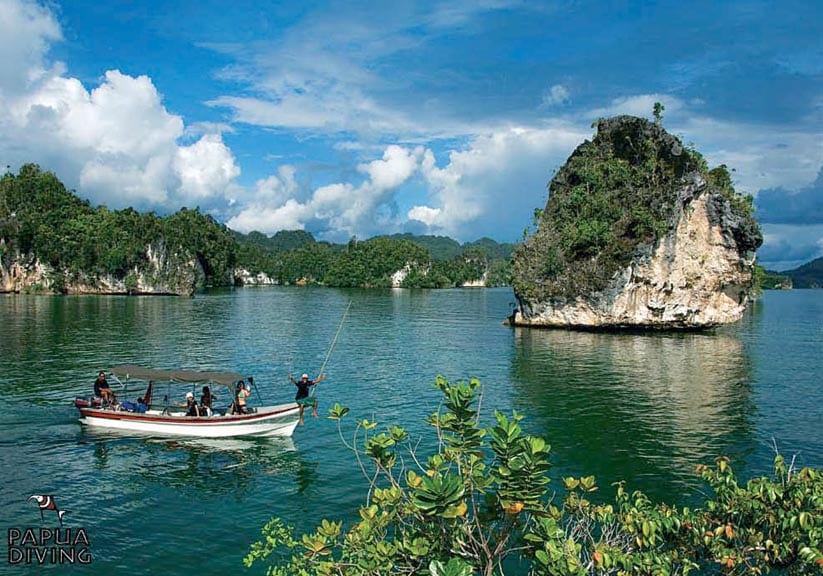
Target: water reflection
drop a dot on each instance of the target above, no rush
(201, 465)
(646, 408)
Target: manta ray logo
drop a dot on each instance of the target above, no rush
(42, 545)
(47, 503)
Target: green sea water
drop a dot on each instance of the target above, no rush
(644, 408)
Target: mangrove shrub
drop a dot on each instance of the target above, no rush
(480, 502)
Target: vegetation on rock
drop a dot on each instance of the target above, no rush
(770, 280)
(481, 501)
(616, 196)
(41, 221)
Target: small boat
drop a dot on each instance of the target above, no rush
(163, 418)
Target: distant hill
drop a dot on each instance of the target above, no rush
(281, 241)
(439, 261)
(444, 248)
(491, 248)
(440, 247)
(809, 275)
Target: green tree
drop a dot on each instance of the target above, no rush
(371, 263)
(658, 113)
(482, 497)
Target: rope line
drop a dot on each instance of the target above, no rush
(339, 328)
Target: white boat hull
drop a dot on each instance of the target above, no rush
(266, 421)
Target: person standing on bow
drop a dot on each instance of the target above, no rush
(303, 398)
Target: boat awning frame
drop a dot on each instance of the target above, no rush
(133, 371)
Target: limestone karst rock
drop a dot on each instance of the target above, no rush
(637, 233)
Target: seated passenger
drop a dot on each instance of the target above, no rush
(206, 401)
(191, 404)
(103, 390)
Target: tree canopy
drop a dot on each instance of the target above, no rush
(41, 220)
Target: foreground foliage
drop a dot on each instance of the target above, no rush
(481, 501)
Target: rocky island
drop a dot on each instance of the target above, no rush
(638, 233)
(54, 242)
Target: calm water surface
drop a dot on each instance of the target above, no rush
(642, 408)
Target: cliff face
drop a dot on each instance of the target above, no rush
(163, 274)
(637, 234)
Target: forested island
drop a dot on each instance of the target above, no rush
(638, 233)
(53, 241)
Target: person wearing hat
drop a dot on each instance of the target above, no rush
(303, 398)
(191, 404)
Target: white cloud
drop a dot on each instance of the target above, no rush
(424, 214)
(291, 215)
(496, 182)
(396, 166)
(26, 32)
(117, 142)
(205, 169)
(120, 182)
(345, 209)
(556, 95)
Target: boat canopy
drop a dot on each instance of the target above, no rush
(183, 376)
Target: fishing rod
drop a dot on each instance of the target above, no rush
(254, 385)
(333, 342)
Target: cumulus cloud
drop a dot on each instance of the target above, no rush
(26, 33)
(496, 182)
(117, 143)
(342, 209)
(205, 168)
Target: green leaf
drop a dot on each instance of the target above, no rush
(337, 411)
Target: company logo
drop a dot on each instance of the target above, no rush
(29, 545)
(47, 503)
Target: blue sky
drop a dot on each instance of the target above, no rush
(364, 118)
